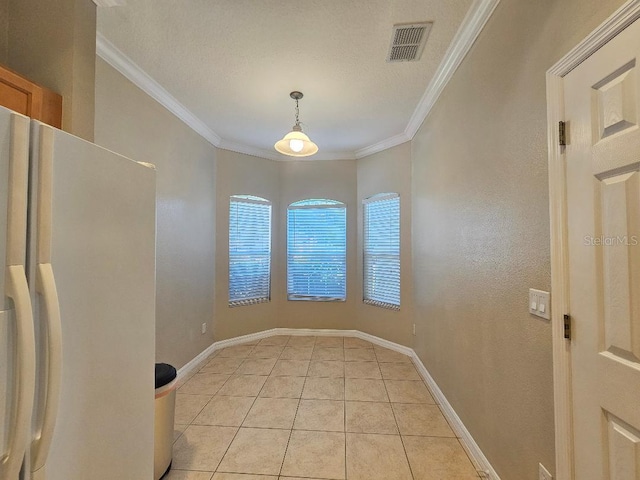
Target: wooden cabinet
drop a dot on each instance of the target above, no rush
(25, 97)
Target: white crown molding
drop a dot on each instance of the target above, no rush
(471, 27)
(469, 30)
(621, 19)
(249, 150)
(123, 64)
(328, 156)
(110, 3)
(473, 23)
(273, 155)
(127, 67)
(383, 145)
(480, 461)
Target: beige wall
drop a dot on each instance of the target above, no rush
(479, 201)
(54, 44)
(335, 180)
(131, 123)
(239, 174)
(4, 31)
(387, 171)
(283, 183)
(481, 231)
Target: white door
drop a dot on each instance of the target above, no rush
(602, 107)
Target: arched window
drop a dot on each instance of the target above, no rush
(249, 250)
(381, 248)
(317, 250)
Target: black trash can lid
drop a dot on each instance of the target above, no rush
(165, 374)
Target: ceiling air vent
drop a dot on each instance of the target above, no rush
(408, 41)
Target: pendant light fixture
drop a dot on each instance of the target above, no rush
(296, 143)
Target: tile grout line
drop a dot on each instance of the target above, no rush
(240, 426)
(205, 405)
(198, 414)
(258, 396)
(286, 449)
(344, 399)
(213, 396)
(270, 375)
(397, 426)
(248, 411)
(245, 416)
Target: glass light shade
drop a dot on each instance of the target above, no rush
(292, 141)
(296, 145)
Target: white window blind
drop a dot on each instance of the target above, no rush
(249, 250)
(317, 250)
(382, 250)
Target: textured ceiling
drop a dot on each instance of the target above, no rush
(232, 63)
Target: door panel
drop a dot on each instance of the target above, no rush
(623, 442)
(603, 207)
(614, 103)
(620, 196)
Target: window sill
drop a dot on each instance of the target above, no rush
(245, 303)
(299, 298)
(388, 306)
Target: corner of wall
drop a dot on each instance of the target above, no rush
(387, 171)
(130, 122)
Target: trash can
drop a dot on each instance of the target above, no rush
(165, 404)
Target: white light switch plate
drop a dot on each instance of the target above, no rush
(540, 303)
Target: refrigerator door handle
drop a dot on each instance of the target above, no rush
(46, 286)
(18, 290)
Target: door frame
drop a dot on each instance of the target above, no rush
(616, 23)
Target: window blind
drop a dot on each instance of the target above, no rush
(382, 251)
(249, 250)
(317, 250)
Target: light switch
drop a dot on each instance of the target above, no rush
(539, 303)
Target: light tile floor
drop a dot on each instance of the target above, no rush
(305, 408)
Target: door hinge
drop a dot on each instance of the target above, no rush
(562, 134)
(567, 327)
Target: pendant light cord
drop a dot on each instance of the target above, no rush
(297, 113)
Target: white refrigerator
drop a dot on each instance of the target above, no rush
(77, 308)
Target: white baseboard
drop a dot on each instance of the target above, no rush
(252, 337)
(316, 332)
(396, 347)
(185, 372)
(324, 332)
(481, 463)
